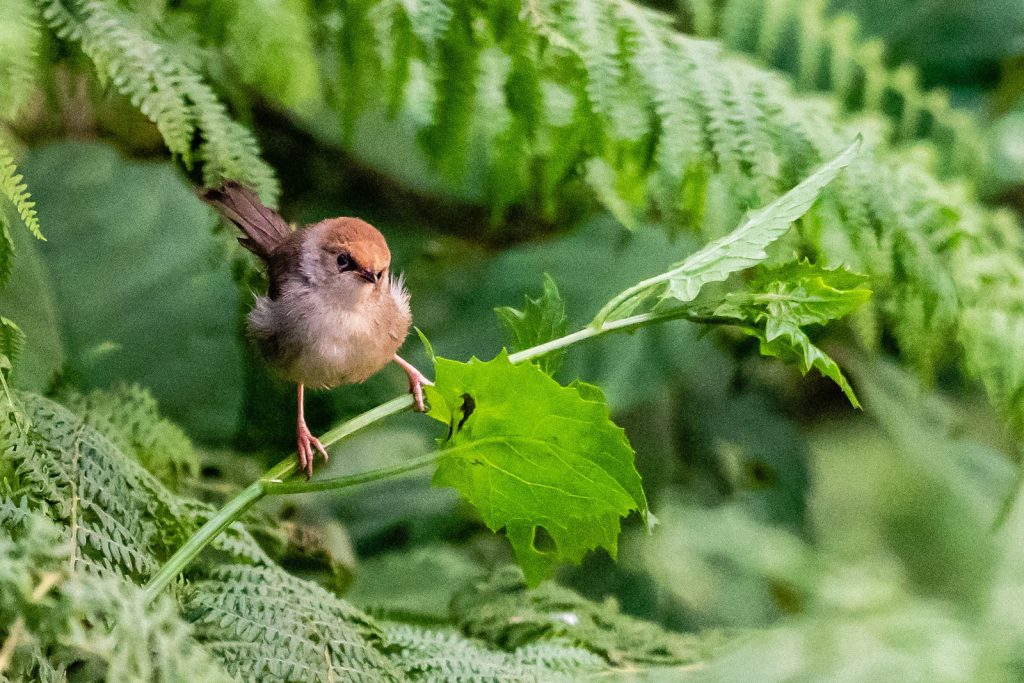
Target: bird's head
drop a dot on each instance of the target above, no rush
(352, 256)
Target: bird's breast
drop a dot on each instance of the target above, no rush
(318, 342)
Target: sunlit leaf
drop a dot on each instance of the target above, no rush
(530, 454)
(780, 301)
(801, 292)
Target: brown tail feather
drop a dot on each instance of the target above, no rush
(263, 227)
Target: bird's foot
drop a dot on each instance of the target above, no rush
(308, 446)
(416, 382)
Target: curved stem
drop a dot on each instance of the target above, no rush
(625, 295)
(199, 540)
(271, 488)
(273, 482)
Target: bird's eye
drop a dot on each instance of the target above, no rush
(380, 273)
(344, 262)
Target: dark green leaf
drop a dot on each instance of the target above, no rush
(143, 289)
(530, 454)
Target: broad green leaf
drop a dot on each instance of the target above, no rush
(530, 454)
(539, 321)
(745, 246)
(142, 287)
(800, 292)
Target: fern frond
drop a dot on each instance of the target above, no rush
(119, 517)
(82, 621)
(20, 36)
(502, 611)
(16, 192)
(832, 54)
(129, 417)
(113, 523)
(663, 126)
(12, 341)
(266, 624)
(166, 89)
(428, 654)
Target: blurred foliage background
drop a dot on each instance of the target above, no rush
(801, 539)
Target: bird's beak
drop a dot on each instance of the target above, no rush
(368, 275)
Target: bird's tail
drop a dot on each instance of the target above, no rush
(263, 227)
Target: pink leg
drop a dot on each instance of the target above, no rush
(416, 381)
(307, 442)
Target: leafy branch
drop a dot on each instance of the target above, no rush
(557, 459)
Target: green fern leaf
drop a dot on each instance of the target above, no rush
(12, 341)
(84, 622)
(128, 416)
(427, 654)
(430, 20)
(268, 625)
(20, 36)
(12, 187)
(504, 612)
(835, 55)
(166, 89)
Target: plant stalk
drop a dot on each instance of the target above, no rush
(273, 482)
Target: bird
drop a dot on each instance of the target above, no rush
(333, 313)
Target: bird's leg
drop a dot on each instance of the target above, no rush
(416, 381)
(307, 442)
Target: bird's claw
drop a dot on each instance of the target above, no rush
(308, 446)
(416, 383)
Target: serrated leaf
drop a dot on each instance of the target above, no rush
(529, 453)
(801, 292)
(745, 246)
(783, 339)
(779, 301)
(540, 320)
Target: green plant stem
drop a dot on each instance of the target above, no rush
(642, 287)
(332, 483)
(273, 482)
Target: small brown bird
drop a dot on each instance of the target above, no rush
(333, 313)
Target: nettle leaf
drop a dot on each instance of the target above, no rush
(745, 246)
(780, 301)
(801, 292)
(785, 340)
(541, 460)
(539, 321)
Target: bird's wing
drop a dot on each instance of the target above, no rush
(263, 227)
